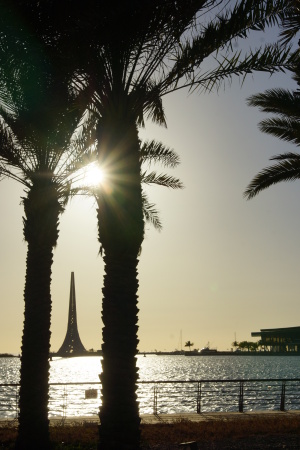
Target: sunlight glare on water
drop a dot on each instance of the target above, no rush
(67, 370)
(72, 400)
(168, 367)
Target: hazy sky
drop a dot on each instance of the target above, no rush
(222, 266)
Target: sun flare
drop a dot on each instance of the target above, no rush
(93, 175)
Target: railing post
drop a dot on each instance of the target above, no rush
(155, 401)
(241, 397)
(65, 404)
(282, 398)
(17, 403)
(199, 398)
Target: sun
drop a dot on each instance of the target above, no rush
(93, 175)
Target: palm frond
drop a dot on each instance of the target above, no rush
(153, 105)
(284, 129)
(290, 22)
(81, 161)
(11, 152)
(13, 174)
(161, 180)
(156, 152)
(283, 156)
(271, 59)
(150, 212)
(146, 99)
(83, 190)
(219, 35)
(287, 170)
(278, 101)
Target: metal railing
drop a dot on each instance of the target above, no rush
(9, 397)
(236, 395)
(176, 396)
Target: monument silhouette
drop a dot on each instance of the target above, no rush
(72, 345)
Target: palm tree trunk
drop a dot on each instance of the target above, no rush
(33, 402)
(119, 413)
(33, 431)
(121, 231)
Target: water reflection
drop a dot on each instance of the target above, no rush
(85, 368)
(72, 401)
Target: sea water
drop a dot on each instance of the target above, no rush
(83, 398)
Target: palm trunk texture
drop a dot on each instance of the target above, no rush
(119, 413)
(33, 431)
(121, 231)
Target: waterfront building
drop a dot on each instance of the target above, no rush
(279, 339)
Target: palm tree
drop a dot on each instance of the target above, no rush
(37, 120)
(128, 56)
(235, 344)
(159, 48)
(285, 125)
(189, 344)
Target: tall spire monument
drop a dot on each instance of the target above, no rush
(72, 345)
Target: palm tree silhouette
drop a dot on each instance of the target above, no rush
(37, 121)
(189, 344)
(160, 51)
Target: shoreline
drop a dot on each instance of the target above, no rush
(172, 353)
(221, 353)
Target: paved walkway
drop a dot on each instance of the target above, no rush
(170, 418)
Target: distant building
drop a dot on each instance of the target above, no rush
(279, 339)
(72, 345)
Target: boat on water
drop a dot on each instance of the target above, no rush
(204, 351)
(208, 351)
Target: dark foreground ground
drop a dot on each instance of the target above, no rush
(255, 431)
(220, 431)
(276, 441)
